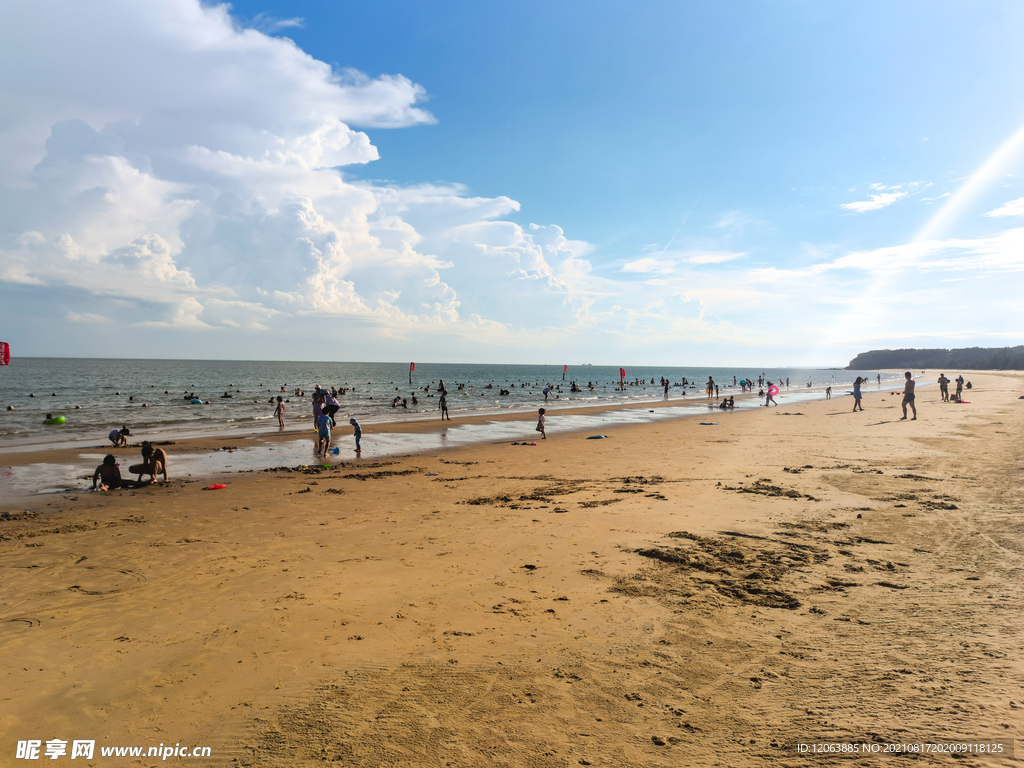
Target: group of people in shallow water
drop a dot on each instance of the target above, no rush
(325, 405)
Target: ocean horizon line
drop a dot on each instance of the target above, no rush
(790, 366)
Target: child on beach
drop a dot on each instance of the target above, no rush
(119, 437)
(856, 394)
(540, 424)
(442, 405)
(279, 411)
(107, 475)
(323, 431)
(358, 433)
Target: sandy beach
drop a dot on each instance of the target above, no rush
(676, 594)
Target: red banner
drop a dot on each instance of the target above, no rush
(5, 353)
(622, 373)
(412, 367)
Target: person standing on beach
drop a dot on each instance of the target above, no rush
(959, 386)
(828, 393)
(279, 411)
(318, 405)
(358, 434)
(323, 433)
(944, 387)
(442, 406)
(768, 398)
(540, 425)
(908, 396)
(856, 395)
(710, 387)
(879, 378)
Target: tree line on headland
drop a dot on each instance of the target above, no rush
(969, 359)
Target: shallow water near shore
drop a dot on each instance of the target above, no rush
(51, 478)
(149, 396)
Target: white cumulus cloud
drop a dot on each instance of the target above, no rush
(883, 197)
(184, 170)
(1012, 208)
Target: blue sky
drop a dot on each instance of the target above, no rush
(675, 183)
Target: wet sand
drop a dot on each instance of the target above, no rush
(28, 471)
(674, 595)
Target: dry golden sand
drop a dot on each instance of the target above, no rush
(676, 595)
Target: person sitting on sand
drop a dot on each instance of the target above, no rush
(908, 396)
(119, 437)
(154, 462)
(107, 476)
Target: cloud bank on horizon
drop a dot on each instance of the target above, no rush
(166, 172)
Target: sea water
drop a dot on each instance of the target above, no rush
(152, 397)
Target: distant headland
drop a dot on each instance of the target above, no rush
(969, 359)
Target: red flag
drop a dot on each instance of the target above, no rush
(565, 369)
(5, 353)
(622, 373)
(412, 367)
